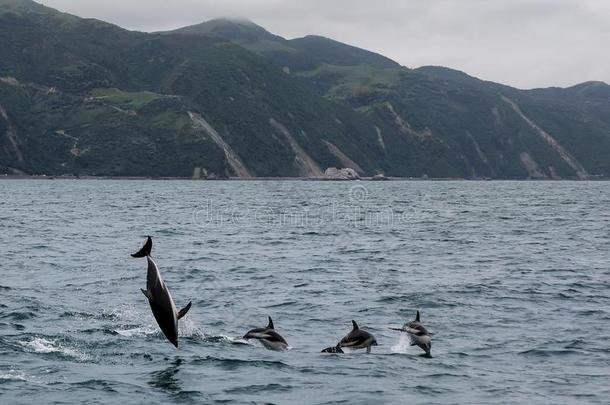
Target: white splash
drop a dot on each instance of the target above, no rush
(139, 331)
(41, 345)
(127, 314)
(403, 344)
(237, 340)
(188, 328)
(13, 375)
(127, 317)
(132, 322)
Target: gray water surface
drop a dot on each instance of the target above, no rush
(513, 279)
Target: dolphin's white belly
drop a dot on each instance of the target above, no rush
(273, 345)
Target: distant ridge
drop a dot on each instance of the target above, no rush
(238, 29)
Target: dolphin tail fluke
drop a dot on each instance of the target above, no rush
(417, 317)
(336, 349)
(145, 251)
(270, 324)
(184, 310)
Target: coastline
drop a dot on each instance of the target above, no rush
(389, 178)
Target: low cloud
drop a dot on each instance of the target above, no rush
(524, 43)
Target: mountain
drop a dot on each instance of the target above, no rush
(81, 96)
(482, 129)
(309, 51)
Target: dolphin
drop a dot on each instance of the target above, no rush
(159, 298)
(145, 250)
(418, 334)
(268, 337)
(333, 349)
(358, 339)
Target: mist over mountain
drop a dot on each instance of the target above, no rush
(80, 96)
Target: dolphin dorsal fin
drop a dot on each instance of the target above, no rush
(417, 317)
(145, 251)
(355, 325)
(270, 324)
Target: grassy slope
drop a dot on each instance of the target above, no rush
(125, 96)
(235, 90)
(470, 129)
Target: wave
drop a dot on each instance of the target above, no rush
(48, 346)
(549, 352)
(281, 304)
(423, 389)
(233, 364)
(12, 375)
(251, 389)
(76, 314)
(95, 385)
(19, 315)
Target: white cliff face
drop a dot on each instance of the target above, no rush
(570, 160)
(305, 164)
(11, 135)
(343, 158)
(237, 165)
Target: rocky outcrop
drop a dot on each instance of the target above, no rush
(379, 177)
(332, 173)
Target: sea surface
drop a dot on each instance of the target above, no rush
(512, 279)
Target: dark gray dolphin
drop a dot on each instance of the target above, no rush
(333, 349)
(159, 298)
(418, 334)
(268, 337)
(358, 339)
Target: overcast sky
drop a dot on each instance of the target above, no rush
(524, 43)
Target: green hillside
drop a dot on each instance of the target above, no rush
(80, 96)
(481, 129)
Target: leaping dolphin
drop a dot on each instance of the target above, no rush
(333, 349)
(418, 334)
(358, 339)
(159, 298)
(268, 337)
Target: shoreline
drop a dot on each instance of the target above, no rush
(389, 178)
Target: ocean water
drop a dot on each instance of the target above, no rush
(513, 279)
